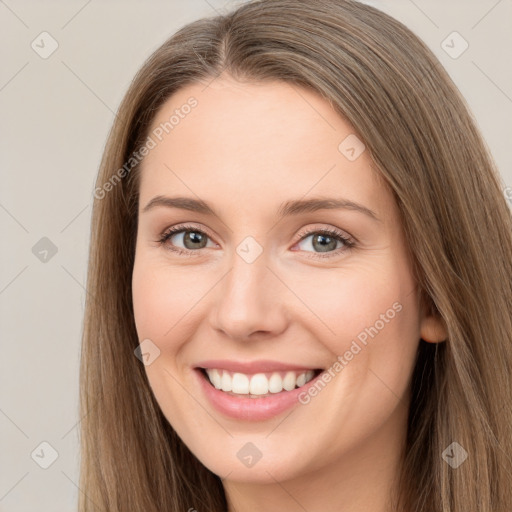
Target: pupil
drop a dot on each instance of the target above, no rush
(321, 242)
(326, 247)
(193, 237)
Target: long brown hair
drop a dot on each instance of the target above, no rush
(421, 136)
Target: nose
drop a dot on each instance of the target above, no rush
(251, 301)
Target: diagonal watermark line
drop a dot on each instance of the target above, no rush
(78, 487)
(214, 78)
(281, 422)
(80, 80)
(198, 402)
(287, 492)
(424, 13)
(76, 14)
(197, 302)
(225, 476)
(203, 62)
(13, 217)
(505, 467)
(13, 279)
(220, 220)
(485, 15)
(414, 289)
(206, 1)
(498, 444)
(13, 13)
(492, 81)
(14, 76)
(297, 91)
(74, 279)
(507, 457)
(14, 423)
(394, 394)
(74, 218)
(85, 289)
(80, 420)
(14, 485)
(107, 310)
(219, 73)
(311, 188)
(301, 300)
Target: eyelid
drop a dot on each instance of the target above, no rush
(178, 228)
(322, 229)
(169, 232)
(348, 240)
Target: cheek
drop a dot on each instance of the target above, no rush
(368, 317)
(374, 317)
(162, 296)
(344, 303)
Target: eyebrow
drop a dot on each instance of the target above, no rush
(292, 207)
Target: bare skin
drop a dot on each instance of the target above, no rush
(245, 149)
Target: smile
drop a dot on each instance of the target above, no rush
(260, 384)
(254, 391)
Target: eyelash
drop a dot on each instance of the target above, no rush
(334, 233)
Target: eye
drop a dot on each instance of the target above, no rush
(190, 236)
(325, 241)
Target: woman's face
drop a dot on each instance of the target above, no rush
(261, 296)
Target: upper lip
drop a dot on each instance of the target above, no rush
(251, 367)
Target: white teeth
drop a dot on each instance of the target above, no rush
(215, 378)
(225, 382)
(240, 383)
(289, 381)
(301, 380)
(257, 384)
(275, 383)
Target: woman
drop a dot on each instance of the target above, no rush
(300, 277)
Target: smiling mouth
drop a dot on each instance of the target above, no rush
(258, 385)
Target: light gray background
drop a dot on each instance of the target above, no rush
(56, 113)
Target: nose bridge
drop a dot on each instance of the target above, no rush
(249, 272)
(248, 297)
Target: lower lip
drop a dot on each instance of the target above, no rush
(252, 409)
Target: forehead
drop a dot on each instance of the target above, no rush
(272, 141)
